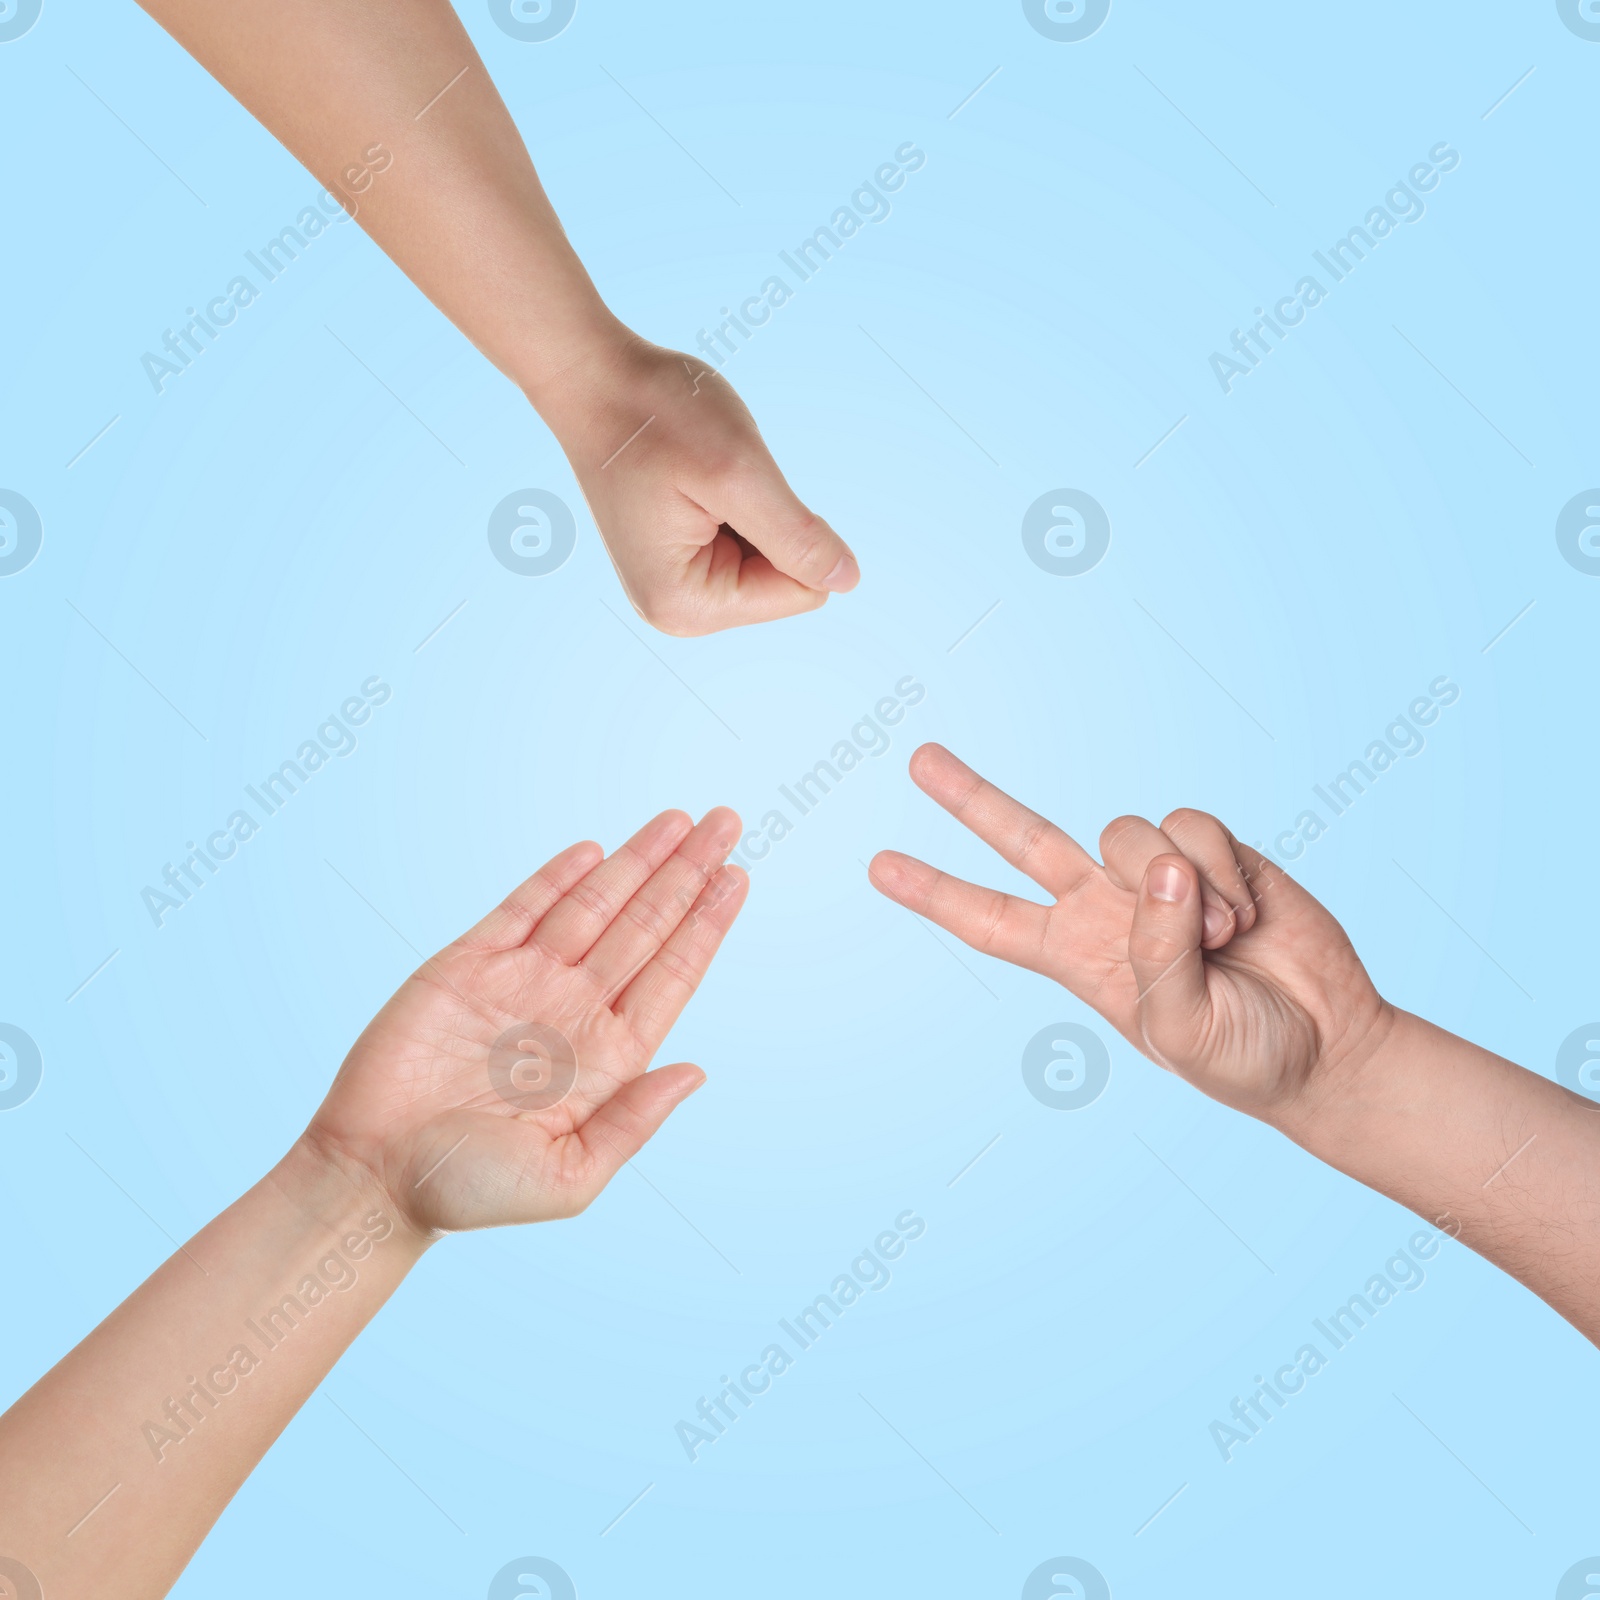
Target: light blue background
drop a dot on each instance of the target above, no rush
(1324, 541)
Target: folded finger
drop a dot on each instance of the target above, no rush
(1128, 846)
(710, 581)
(1207, 843)
(647, 920)
(755, 500)
(1274, 892)
(732, 586)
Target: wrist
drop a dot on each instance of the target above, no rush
(336, 1191)
(567, 364)
(1355, 1071)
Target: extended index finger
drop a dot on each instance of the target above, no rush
(1031, 843)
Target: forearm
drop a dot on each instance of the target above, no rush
(1503, 1159)
(114, 1466)
(390, 106)
(457, 206)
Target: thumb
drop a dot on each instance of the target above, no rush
(1174, 1005)
(617, 1131)
(758, 505)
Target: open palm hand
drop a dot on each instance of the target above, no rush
(506, 1080)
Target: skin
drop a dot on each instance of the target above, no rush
(413, 1141)
(703, 529)
(1221, 968)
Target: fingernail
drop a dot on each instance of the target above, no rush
(1214, 922)
(845, 575)
(1167, 882)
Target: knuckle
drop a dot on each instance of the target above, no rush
(672, 614)
(699, 875)
(1152, 947)
(592, 899)
(812, 544)
(684, 900)
(1118, 831)
(1034, 833)
(648, 917)
(970, 792)
(994, 918)
(654, 606)
(628, 854)
(675, 967)
(725, 472)
(1196, 829)
(1187, 818)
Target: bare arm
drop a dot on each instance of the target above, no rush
(1503, 1159)
(114, 1466)
(504, 1082)
(1221, 968)
(459, 208)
